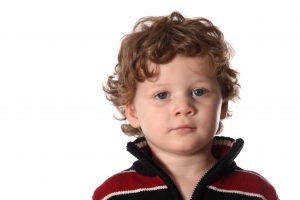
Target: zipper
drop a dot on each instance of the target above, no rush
(225, 162)
(199, 183)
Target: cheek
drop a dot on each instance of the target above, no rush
(212, 111)
(151, 120)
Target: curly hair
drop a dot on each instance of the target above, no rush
(158, 40)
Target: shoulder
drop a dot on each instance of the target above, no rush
(126, 182)
(245, 182)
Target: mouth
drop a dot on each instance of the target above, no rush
(183, 129)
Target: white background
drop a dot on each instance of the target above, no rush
(58, 138)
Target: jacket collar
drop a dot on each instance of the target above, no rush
(221, 146)
(224, 149)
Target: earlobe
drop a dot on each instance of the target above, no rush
(130, 114)
(224, 109)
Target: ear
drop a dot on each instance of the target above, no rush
(224, 109)
(130, 114)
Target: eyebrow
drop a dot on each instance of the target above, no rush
(196, 81)
(161, 84)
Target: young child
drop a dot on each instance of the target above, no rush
(172, 84)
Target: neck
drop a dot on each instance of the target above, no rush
(185, 165)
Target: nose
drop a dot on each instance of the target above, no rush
(184, 106)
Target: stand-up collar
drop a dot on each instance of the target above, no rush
(220, 147)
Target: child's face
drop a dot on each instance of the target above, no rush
(180, 111)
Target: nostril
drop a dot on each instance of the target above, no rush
(190, 112)
(177, 113)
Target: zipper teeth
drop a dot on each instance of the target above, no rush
(217, 167)
(201, 180)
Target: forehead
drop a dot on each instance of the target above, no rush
(199, 66)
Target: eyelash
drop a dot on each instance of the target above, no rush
(164, 94)
(157, 96)
(203, 91)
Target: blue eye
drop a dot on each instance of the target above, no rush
(198, 92)
(162, 95)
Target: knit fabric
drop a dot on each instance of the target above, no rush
(145, 180)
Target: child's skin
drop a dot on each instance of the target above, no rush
(179, 114)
